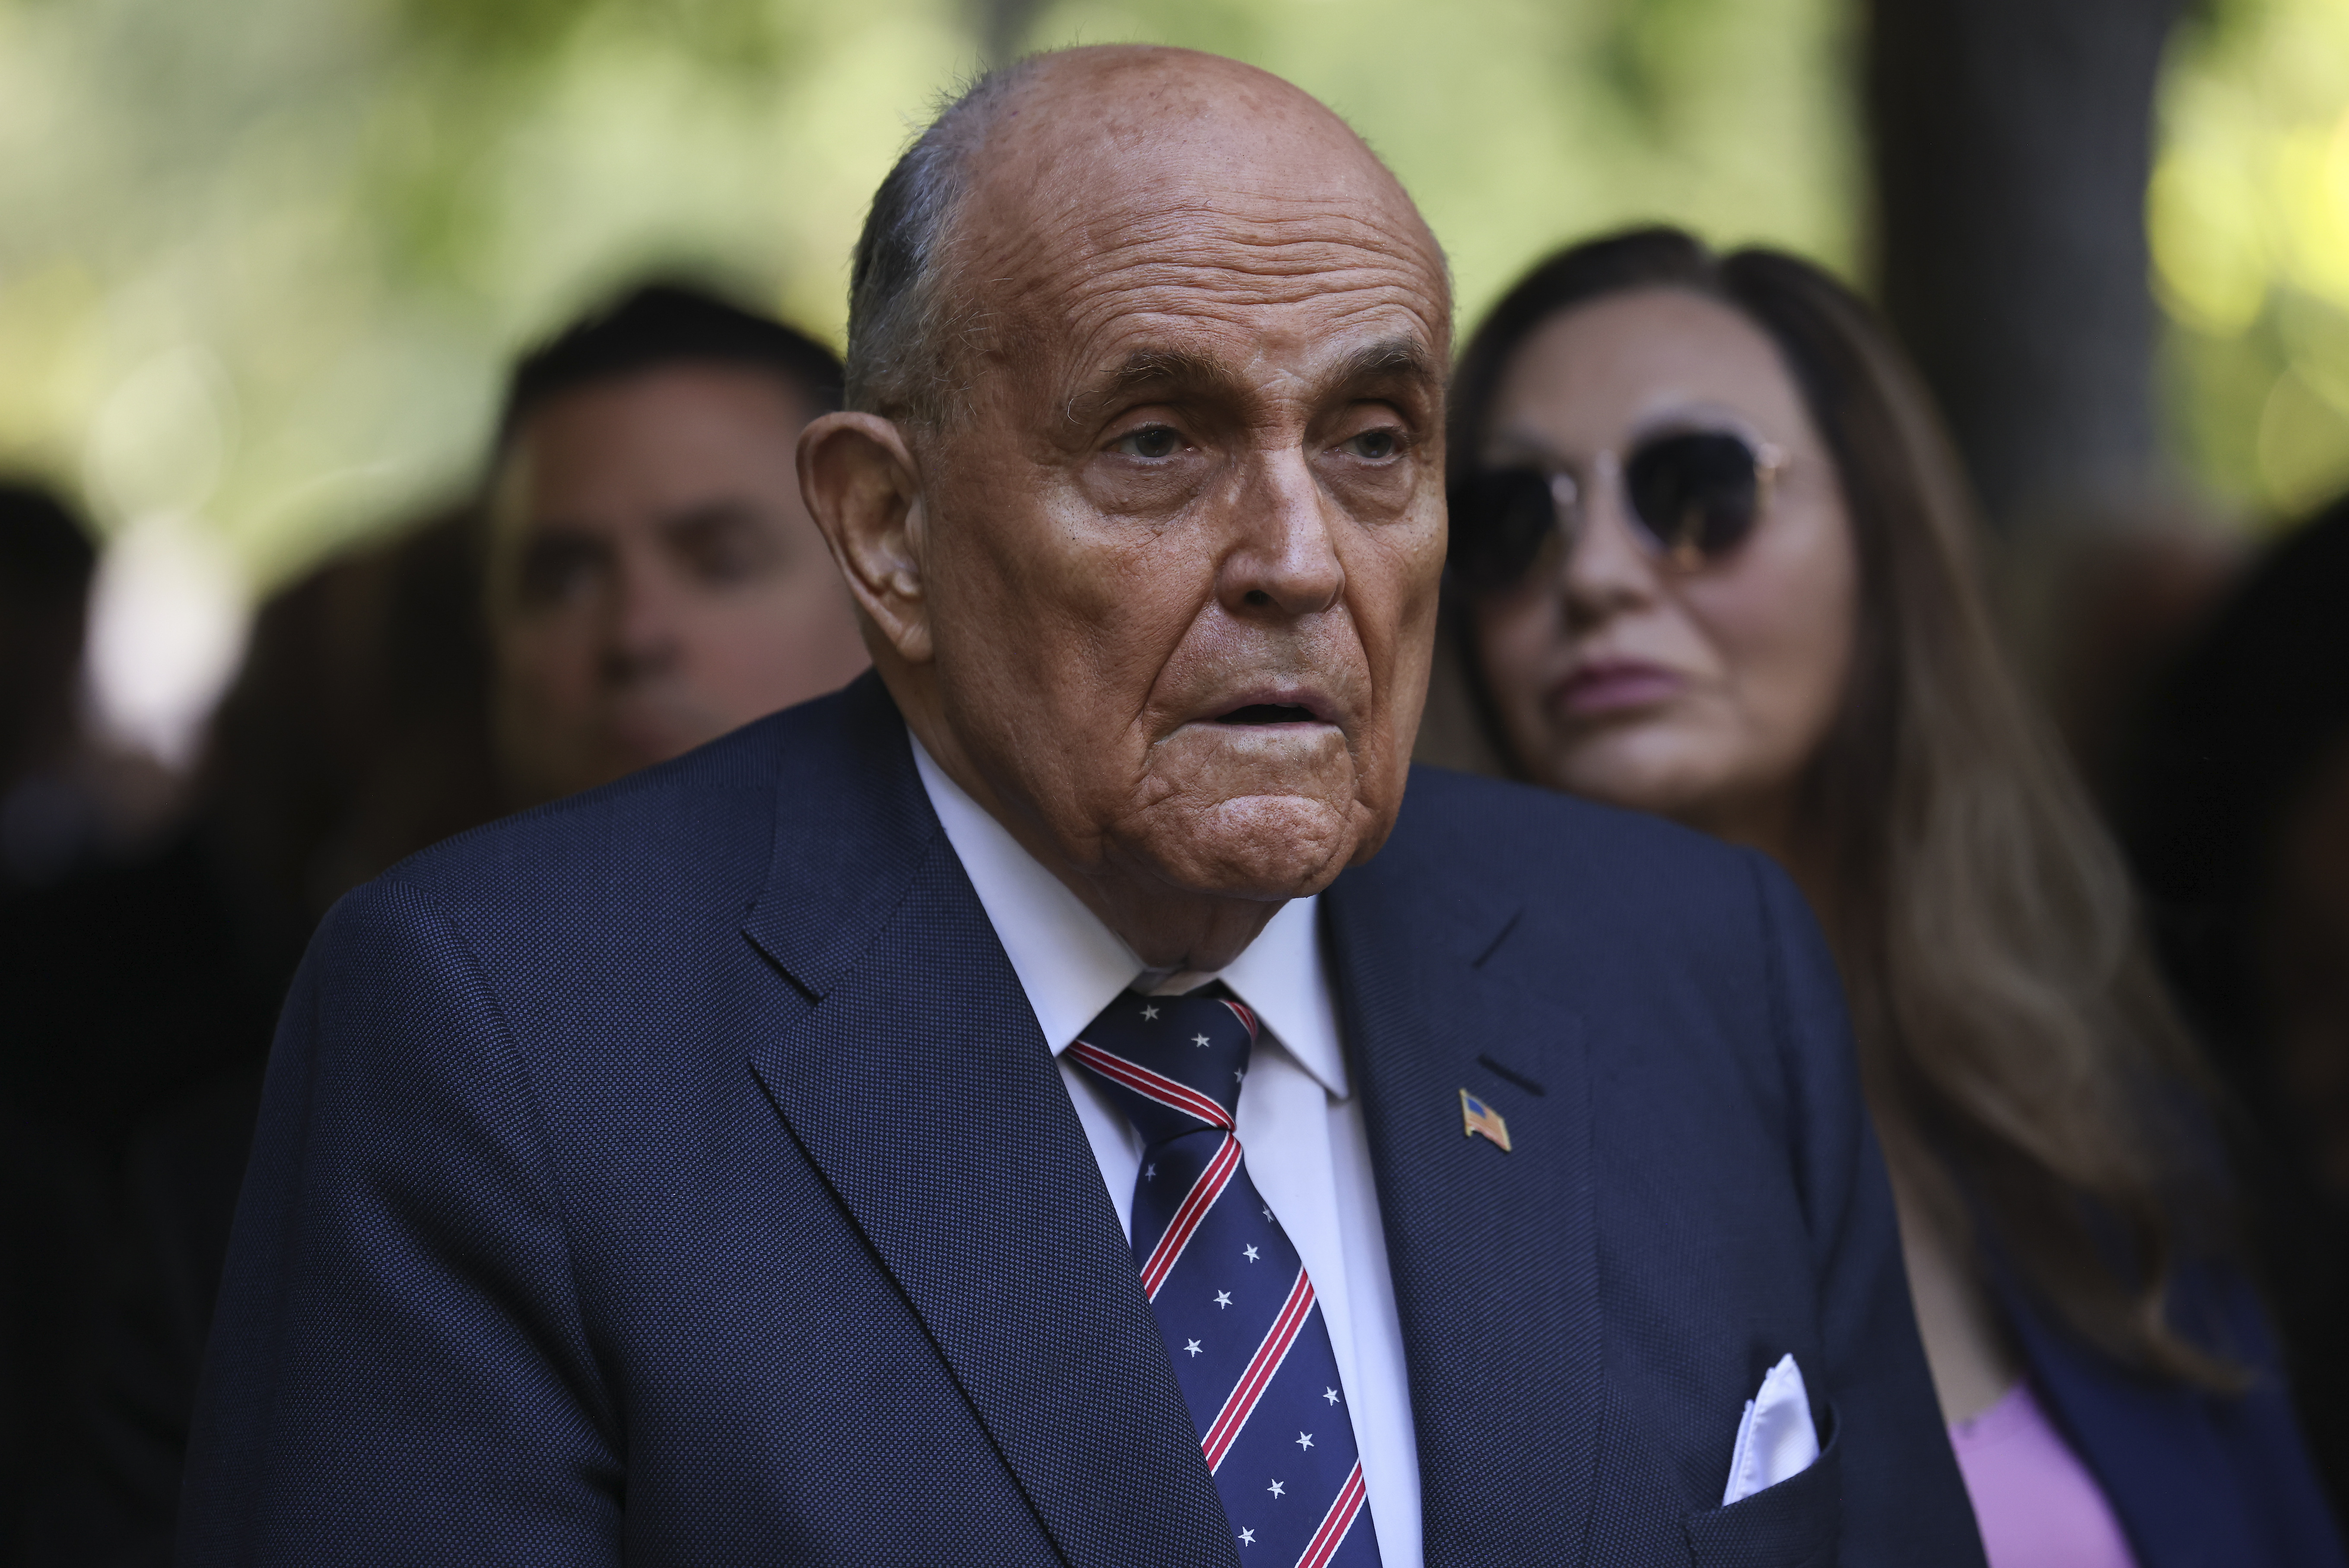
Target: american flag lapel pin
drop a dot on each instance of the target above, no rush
(1476, 1117)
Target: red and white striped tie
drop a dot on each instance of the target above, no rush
(1250, 1351)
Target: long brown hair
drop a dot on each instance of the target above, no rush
(2030, 1081)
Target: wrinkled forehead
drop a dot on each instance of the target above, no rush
(1276, 231)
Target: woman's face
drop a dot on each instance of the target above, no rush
(1700, 692)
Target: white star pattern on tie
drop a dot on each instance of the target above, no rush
(1266, 1344)
(1150, 1014)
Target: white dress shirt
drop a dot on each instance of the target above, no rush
(1300, 1130)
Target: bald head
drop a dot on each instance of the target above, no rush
(1139, 495)
(1114, 145)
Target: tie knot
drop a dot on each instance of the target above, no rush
(1173, 1064)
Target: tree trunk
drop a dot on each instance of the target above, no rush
(1002, 28)
(2012, 145)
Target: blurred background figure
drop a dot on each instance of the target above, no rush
(64, 802)
(1714, 558)
(2239, 823)
(357, 732)
(2097, 603)
(142, 979)
(126, 989)
(655, 579)
(640, 577)
(47, 561)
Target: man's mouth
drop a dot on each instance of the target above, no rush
(1269, 713)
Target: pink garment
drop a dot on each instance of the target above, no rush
(2035, 1502)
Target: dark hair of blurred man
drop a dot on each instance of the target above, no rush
(655, 579)
(124, 998)
(2239, 828)
(47, 562)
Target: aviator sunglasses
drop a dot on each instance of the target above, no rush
(1692, 496)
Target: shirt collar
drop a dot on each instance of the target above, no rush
(1071, 965)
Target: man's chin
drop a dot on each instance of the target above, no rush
(640, 739)
(1257, 812)
(1270, 846)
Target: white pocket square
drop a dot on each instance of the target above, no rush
(1776, 1441)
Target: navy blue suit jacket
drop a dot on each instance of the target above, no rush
(2198, 1480)
(678, 1173)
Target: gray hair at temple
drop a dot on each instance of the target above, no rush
(899, 306)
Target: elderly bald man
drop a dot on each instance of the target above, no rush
(1059, 1099)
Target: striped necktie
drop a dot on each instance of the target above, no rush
(1251, 1354)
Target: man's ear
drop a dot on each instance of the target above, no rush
(858, 478)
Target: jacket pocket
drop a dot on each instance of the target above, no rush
(1795, 1524)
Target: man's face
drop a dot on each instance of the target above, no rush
(1181, 551)
(655, 579)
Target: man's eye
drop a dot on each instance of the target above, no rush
(1375, 445)
(1153, 440)
(726, 544)
(558, 571)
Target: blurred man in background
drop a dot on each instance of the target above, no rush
(651, 580)
(47, 561)
(654, 579)
(124, 994)
(2237, 819)
(69, 802)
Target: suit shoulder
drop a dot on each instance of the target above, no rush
(711, 810)
(1504, 835)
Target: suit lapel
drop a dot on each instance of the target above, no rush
(1494, 1255)
(919, 1083)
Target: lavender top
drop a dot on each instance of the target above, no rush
(2035, 1502)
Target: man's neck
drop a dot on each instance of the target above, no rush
(1176, 932)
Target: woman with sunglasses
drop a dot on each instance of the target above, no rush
(1711, 557)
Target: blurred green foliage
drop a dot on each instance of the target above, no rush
(2248, 219)
(1520, 124)
(262, 261)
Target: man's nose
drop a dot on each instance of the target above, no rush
(1607, 571)
(643, 637)
(1288, 555)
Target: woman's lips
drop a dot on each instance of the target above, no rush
(1614, 688)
